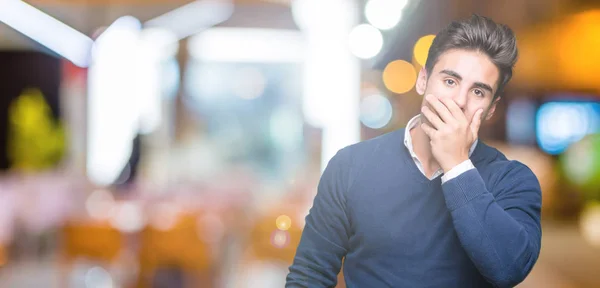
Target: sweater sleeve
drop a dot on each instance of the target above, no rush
(501, 234)
(324, 240)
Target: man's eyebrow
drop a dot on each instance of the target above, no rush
(451, 73)
(484, 86)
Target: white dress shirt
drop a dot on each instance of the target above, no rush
(454, 172)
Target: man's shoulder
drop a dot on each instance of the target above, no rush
(392, 138)
(360, 152)
(499, 167)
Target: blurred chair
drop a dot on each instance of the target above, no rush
(275, 237)
(177, 248)
(94, 241)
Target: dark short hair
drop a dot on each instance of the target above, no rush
(481, 34)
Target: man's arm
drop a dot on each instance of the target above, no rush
(500, 234)
(325, 236)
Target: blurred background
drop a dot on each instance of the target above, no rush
(177, 143)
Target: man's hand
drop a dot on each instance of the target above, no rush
(452, 134)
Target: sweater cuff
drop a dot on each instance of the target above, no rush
(462, 189)
(457, 170)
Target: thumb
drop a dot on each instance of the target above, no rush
(476, 122)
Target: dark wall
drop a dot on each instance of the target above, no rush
(20, 70)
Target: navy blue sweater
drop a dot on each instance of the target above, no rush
(395, 228)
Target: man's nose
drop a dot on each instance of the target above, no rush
(461, 99)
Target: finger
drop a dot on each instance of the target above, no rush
(476, 122)
(433, 118)
(456, 112)
(429, 131)
(440, 108)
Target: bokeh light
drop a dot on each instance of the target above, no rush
(365, 41)
(421, 49)
(280, 239)
(384, 14)
(559, 124)
(399, 76)
(581, 163)
(128, 217)
(375, 111)
(283, 222)
(98, 277)
(100, 204)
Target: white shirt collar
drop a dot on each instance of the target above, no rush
(408, 143)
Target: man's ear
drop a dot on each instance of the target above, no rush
(421, 84)
(492, 109)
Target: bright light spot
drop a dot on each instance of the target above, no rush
(421, 49)
(128, 217)
(365, 41)
(399, 76)
(375, 111)
(280, 239)
(590, 224)
(165, 216)
(97, 277)
(248, 83)
(100, 204)
(113, 115)
(283, 222)
(161, 43)
(559, 124)
(384, 14)
(317, 14)
(193, 17)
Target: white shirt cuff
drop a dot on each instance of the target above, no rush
(457, 170)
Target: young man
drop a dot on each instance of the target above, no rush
(430, 205)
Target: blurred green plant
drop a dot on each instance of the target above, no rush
(35, 141)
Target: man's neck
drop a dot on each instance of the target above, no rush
(420, 142)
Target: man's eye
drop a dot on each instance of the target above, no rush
(450, 82)
(479, 92)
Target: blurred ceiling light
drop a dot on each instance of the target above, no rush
(310, 15)
(161, 42)
(399, 76)
(384, 14)
(365, 41)
(113, 116)
(375, 111)
(421, 49)
(194, 17)
(46, 30)
(247, 45)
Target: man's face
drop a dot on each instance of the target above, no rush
(467, 77)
